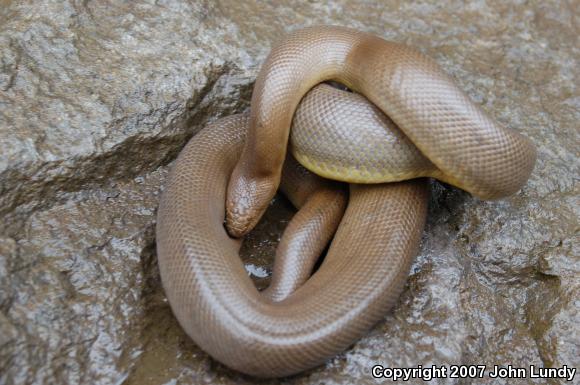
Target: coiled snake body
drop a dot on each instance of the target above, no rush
(234, 167)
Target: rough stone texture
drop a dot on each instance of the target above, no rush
(96, 98)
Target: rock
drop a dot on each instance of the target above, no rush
(96, 100)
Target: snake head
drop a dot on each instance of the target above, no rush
(247, 200)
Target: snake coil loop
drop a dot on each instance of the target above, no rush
(234, 167)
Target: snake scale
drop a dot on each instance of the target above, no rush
(417, 124)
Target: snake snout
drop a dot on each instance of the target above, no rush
(247, 200)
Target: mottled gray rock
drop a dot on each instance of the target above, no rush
(96, 98)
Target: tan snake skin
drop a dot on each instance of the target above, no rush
(300, 321)
(468, 148)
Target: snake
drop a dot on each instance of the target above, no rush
(400, 120)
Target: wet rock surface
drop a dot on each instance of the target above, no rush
(96, 100)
